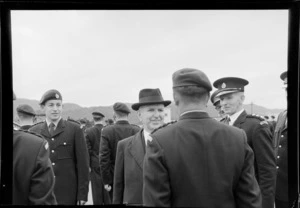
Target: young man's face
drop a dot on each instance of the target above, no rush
(151, 116)
(232, 102)
(53, 109)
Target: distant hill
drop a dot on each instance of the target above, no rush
(77, 112)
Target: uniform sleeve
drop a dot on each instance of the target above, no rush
(266, 163)
(42, 180)
(82, 159)
(105, 162)
(118, 188)
(156, 187)
(247, 192)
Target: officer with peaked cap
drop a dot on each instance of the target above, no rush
(131, 151)
(231, 93)
(217, 103)
(282, 199)
(198, 161)
(110, 137)
(26, 116)
(68, 151)
(33, 177)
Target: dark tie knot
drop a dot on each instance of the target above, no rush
(51, 128)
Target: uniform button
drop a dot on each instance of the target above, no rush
(52, 139)
(278, 156)
(279, 146)
(52, 151)
(277, 167)
(53, 163)
(282, 136)
(65, 143)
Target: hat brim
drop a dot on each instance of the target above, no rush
(136, 106)
(224, 92)
(28, 113)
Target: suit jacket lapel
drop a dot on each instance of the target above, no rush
(45, 131)
(136, 149)
(60, 128)
(241, 119)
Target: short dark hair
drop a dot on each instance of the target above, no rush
(192, 93)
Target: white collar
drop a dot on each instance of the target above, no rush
(146, 136)
(234, 116)
(55, 123)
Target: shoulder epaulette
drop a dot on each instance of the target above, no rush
(260, 118)
(166, 124)
(31, 132)
(69, 119)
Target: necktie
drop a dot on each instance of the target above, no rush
(51, 128)
(227, 120)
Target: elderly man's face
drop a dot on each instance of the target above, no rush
(151, 116)
(232, 102)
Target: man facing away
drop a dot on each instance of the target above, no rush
(93, 135)
(33, 177)
(128, 174)
(26, 116)
(231, 93)
(68, 151)
(110, 137)
(198, 161)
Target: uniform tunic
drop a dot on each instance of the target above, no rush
(69, 157)
(33, 177)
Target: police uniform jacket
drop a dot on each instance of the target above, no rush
(93, 136)
(25, 127)
(280, 141)
(110, 137)
(128, 175)
(261, 141)
(199, 162)
(69, 157)
(33, 177)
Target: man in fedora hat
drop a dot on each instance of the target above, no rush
(110, 137)
(128, 178)
(198, 161)
(68, 151)
(231, 93)
(26, 116)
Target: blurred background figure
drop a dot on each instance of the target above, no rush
(83, 124)
(216, 102)
(26, 116)
(109, 122)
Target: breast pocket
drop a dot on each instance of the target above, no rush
(64, 151)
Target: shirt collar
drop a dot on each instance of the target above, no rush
(191, 111)
(234, 116)
(55, 123)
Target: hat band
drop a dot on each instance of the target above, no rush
(151, 98)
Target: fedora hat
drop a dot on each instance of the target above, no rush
(150, 97)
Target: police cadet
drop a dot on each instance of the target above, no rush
(128, 175)
(93, 135)
(26, 116)
(217, 103)
(198, 161)
(231, 93)
(281, 151)
(33, 177)
(110, 137)
(68, 151)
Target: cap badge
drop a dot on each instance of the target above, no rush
(223, 85)
(57, 96)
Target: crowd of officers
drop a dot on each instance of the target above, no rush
(197, 161)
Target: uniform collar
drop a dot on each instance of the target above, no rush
(234, 116)
(192, 111)
(55, 123)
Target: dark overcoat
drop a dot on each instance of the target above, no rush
(128, 177)
(110, 137)
(200, 162)
(33, 177)
(261, 141)
(99, 194)
(70, 160)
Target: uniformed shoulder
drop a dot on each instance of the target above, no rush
(163, 126)
(258, 118)
(37, 124)
(31, 132)
(73, 121)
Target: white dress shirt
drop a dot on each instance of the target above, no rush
(233, 117)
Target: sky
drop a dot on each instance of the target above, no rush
(99, 57)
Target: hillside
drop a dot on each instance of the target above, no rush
(77, 112)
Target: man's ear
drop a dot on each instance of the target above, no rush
(175, 98)
(42, 107)
(139, 114)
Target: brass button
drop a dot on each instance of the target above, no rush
(277, 167)
(279, 146)
(65, 143)
(52, 139)
(278, 156)
(53, 163)
(52, 151)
